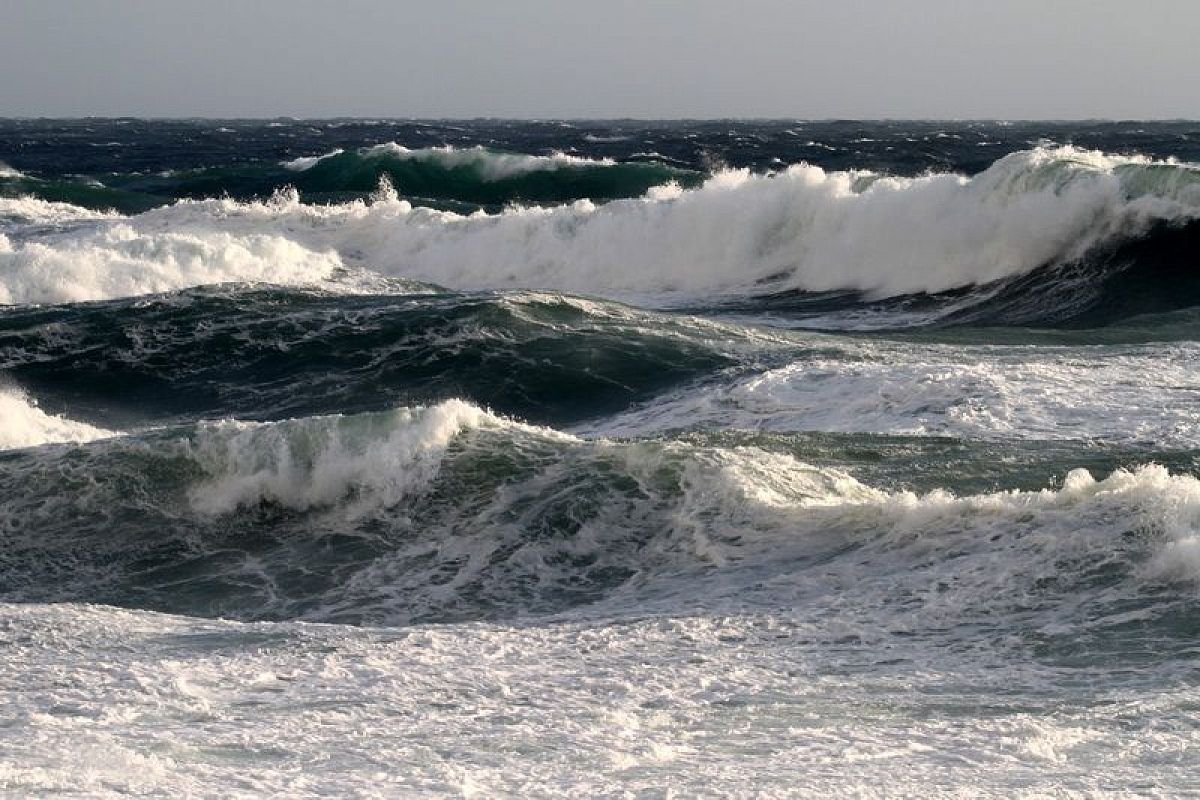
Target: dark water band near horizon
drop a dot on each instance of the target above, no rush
(573, 458)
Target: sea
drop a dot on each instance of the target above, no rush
(632, 459)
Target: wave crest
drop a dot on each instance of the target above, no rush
(491, 165)
(379, 459)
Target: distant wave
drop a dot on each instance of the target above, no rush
(490, 165)
(453, 178)
(479, 175)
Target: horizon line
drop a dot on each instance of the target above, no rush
(533, 119)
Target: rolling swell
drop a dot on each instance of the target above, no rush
(449, 513)
(231, 352)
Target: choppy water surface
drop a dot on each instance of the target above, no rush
(377, 458)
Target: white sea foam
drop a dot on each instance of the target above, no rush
(107, 702)
(830, 622)
(31, 210)
(746, 505)
(491, 165)
(8, 172)
(23, 424)
(121, 261)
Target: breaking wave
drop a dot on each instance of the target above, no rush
(739, 234)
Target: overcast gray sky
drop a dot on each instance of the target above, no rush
(601, 58)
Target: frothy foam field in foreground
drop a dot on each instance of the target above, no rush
(115, 702)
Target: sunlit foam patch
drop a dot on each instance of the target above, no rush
(23, 424)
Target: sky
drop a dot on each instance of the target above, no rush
(997, 59)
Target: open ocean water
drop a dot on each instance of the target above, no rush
(358, 458)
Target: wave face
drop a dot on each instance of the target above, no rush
(552, 452)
